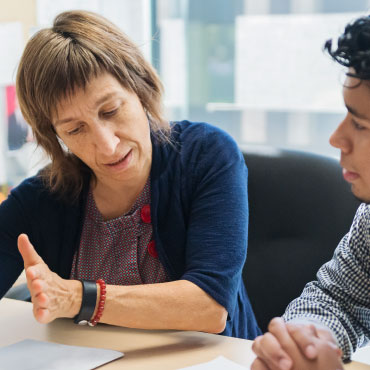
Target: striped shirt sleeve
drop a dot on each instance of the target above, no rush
(340, 298)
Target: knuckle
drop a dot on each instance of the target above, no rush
(258, 365)
(272, 348)
(28, 271)
(46, 299)
(309, 329)
(256, 344)
(328, 345)
(302, 334)
(35, 284)
(325, 335)
(293, 328)
(269, 337)
(276, 321)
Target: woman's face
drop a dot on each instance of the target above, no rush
(106, 127)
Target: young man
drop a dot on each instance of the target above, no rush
(335, 309)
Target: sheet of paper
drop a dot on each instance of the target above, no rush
(219, 363)
(31, 354)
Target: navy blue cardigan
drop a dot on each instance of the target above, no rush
(199, 209)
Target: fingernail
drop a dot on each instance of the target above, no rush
(311, 351)
(285, 364)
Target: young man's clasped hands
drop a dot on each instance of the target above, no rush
(288, 346)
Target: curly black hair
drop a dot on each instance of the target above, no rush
(353, 49)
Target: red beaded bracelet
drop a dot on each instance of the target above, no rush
(103, 291)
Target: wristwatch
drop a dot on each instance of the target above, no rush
(89, 294)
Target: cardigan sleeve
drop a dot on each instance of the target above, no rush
(217, 232)
(13, 221)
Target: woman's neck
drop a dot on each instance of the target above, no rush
(114, 199)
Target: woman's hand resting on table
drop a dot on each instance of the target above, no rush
(52, 296)
(296, 347)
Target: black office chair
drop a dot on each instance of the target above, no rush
(300, 208)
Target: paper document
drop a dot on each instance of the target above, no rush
(32, 354)
(219, 363)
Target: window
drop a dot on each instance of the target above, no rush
(255, 68)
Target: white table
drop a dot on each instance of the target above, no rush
(144, 349)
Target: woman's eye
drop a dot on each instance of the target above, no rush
(110, 113)
(357, 126)
(74, 131)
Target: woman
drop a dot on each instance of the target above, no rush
(155, 213)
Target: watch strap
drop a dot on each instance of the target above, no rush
(88, 304)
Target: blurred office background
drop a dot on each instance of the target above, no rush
(255, 68)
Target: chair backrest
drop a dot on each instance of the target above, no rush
(300, 208)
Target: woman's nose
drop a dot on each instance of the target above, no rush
(106, 140)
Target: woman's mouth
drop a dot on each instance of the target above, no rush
(350, 176)
(119, 161)
(122, 162)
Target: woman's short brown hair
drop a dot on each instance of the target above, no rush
(58, 60)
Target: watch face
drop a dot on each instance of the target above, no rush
(83, 322)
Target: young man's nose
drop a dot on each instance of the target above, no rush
(340, 138)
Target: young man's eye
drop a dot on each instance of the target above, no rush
(357, 126)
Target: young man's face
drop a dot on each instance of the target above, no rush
(352, 137)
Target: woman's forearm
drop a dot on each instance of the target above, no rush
(174, 305)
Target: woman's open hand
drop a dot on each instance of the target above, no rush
(52, 296)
